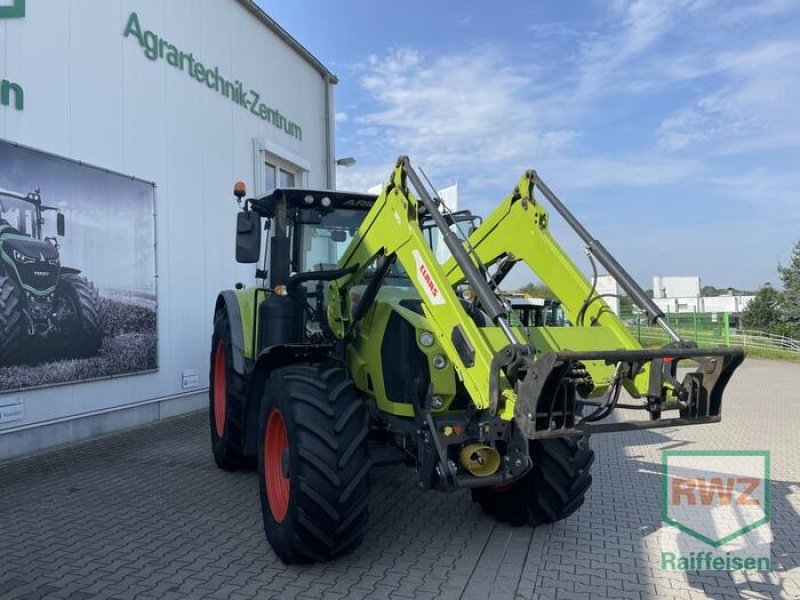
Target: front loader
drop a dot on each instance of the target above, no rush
(359, 348)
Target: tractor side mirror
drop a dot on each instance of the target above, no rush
(248, 237)
(60, 224)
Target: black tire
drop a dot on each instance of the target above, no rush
(11, 331)
(84, 334)
(227, 392)
(554, 488)
(322, 511)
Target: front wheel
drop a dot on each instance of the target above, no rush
(553, 490)
(11, 331)
(313, 464)
(80, 314)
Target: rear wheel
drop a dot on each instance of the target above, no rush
(554, 489)
(226, 399)
(11, 331)
(313, 464)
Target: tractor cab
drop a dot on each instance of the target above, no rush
(538, 312)
(23, 214)
(308, 231)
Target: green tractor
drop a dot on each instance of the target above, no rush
(41, 301)
(362, 348)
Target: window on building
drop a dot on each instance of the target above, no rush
(278, 177)
(270, 177)
(286, 178)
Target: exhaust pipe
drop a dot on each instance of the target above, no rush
(480, 460)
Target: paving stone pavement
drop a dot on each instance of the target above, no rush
(145, 514)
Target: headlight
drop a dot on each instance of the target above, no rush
(53, 261)
(22, 259)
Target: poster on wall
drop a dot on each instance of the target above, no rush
(77, 272)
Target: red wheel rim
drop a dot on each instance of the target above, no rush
(276, 443)
(220, 388)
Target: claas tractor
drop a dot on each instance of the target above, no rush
(367, 345)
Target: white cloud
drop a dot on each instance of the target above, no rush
(652, 95)
(341, 117)
(757, 106)
(453, 113)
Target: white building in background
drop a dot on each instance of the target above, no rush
(607, 286)
(189, 97)
(684, 294)
(676, 287)
(449, 196)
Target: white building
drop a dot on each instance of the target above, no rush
(608, 287)
(684, 294)
(676, 287)
(188, 96)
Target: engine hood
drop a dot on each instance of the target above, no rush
(34, 263)
(35, 249)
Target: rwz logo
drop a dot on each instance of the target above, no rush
(715, 496)
(736, 490)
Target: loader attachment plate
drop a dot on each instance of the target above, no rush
(549, 403)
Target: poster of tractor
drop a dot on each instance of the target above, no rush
(77, 272)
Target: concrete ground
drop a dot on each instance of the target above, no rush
(146, 514)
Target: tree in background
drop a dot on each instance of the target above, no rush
(538, 291)
(764, 312)
(709, 290)
(790, 275)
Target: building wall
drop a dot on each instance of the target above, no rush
(704, 304)
(91, 94)
(606, 284)
(671, 287)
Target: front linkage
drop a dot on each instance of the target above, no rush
(548, 404)
(550, 388)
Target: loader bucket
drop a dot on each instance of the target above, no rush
(549, 403)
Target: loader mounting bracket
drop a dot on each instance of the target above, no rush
(548, 405)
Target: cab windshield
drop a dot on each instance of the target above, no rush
(19, 214)
(322, 244)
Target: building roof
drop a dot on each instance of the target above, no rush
(259, 13)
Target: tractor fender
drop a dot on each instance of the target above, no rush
(271, 358)
(228, 302)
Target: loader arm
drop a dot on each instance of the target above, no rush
(551, 381)
(518, 230)
(391, 232)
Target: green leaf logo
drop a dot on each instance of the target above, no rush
(12, 9)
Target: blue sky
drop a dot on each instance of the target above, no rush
(672, 129)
